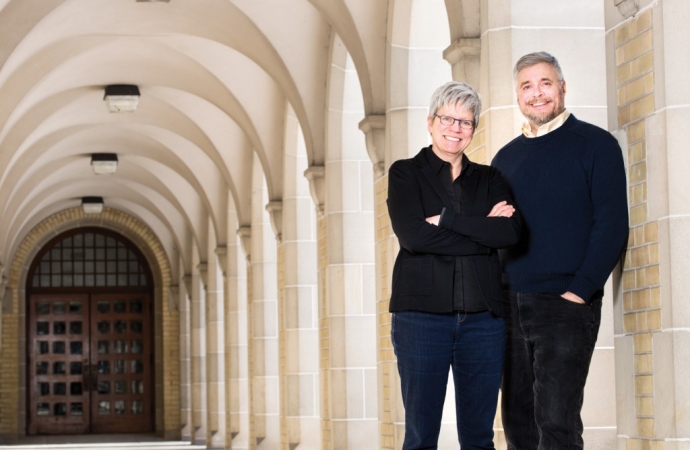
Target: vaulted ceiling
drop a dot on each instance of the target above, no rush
(216, 78)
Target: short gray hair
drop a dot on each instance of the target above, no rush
(455, 92)
(535, 58)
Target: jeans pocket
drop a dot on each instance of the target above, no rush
(565, 301)
(552, 308)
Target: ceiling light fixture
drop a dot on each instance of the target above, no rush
(121, 97)
(92, 205)
(104, 163)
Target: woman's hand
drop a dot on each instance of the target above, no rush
(433, 219)
(500, 209)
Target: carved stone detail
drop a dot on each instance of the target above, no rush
(245, 234)
(374, 128)
(317, 187)
(275, 210)
(627, 8)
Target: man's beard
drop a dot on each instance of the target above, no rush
(541, 120)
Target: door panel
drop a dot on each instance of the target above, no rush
(90, 363)
(58, 352)
(121, 364)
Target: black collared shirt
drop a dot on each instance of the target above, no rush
(467, 296)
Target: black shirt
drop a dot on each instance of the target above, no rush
(422, 278)
(467, 296)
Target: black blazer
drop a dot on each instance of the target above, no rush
(425, 266)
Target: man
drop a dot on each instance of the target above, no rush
(568, 182)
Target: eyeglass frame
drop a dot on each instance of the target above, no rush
(459, 121)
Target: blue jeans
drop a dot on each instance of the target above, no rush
(429, 345)
(549, 348)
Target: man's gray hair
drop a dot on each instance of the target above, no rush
(532, 59)
(454, 93)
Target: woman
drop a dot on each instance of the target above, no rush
(450, 215)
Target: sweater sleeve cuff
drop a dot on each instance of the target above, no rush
(583, 288)
(446, 219)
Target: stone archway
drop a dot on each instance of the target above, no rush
(166, 321)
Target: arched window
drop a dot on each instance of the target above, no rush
(90, 257)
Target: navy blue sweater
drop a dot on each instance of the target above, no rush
(570, 188)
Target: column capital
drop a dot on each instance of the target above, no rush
(374, 128)
(463, 56)
(222, 253)
(245, 234)
(462, 48)
(187, 280)
(317, 187)
(203, 273)
(275, 210)
(627, 8)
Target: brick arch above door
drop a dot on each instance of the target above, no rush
(12, 331)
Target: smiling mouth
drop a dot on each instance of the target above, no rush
(454, 139)
(539, 103)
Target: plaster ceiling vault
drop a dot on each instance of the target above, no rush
(216, 79)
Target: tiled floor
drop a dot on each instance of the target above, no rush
(100, 442)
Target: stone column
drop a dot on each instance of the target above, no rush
(263, 317)
(215, 339)
(185, 355)
(198, 353)
(348, 304)
(298, 300)
(236, 336)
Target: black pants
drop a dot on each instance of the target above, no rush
(549, 348)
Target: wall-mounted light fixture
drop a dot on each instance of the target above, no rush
(104, 163)
(92, 205)
(122, 97)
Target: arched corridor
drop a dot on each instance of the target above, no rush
(250, 176)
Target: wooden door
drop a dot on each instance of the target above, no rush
(90, 363)
(59, 400)
(121, 359)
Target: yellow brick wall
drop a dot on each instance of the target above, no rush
(386, 358)
(284, 423)
(324, 335)
(250, 357)
(9, 376)
(146, 240)
(476, 151)
(641, 291)
(230, 421)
